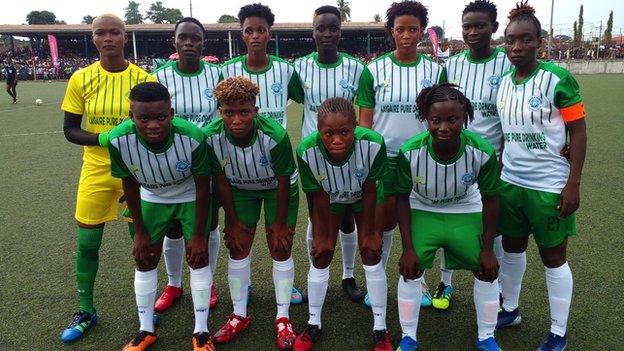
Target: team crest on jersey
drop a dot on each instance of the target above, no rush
(426, 83)
(264, 162)
(276, 88)
(209, 94)
(418, 180)
(307, 85)
(494, 80)
(501, 105)
(455, 82)
(358, 173)
(345, 85)
(182, 166)
(468, 178)
(535, 103)
(224, 162)
(385, 84)
(134, 168)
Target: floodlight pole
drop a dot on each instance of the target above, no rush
(191, 7)
(550, 33)
(136, 58)
(230, 42)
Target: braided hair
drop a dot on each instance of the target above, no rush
(337, 105)
(441, 93)
(236, 89)
(525, 12)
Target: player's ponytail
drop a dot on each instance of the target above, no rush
(525, 12)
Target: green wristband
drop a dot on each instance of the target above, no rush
(103, 139)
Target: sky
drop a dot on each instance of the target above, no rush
(446, 13)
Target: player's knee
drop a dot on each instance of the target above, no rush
(197, 265)
(323, 258)
(370, 256)
(280, 254)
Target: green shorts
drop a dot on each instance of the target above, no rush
(247, 205)
(159, 219)
(524, 211)
(356, 207)
(390, 177)
(459, 234)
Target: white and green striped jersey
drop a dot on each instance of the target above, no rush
(533, 115)
(191, 94)
(453, 186)
(165, 175)
(323, 81)
(391, 90)
(342, 181)
(256, 165)
(479, 81)
(278, 82)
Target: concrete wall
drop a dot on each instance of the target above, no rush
(593, 66)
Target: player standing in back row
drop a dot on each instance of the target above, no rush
(388, 99)
(191, 82)
(477, 71)
(325, 74)
(100, 93)
(538, 103)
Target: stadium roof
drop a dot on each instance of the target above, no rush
(69, 29)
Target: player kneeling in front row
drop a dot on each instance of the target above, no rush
(341, 167)
(256, 167)
(164, 168)
(447, 180)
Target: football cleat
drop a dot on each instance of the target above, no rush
(382, 341)
(80, 323)
(367, 301)
(234, 325)
(350, 288)
(167, 298)
(408, 344)
(508, 319)
(284, 334)
(202, 342)
(308, 337)
(554, 342)
(488, 344)
(142, 341)
(442, 297)
(297, 297)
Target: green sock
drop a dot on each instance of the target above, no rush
(87, 261)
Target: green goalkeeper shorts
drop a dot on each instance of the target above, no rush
(248, 203)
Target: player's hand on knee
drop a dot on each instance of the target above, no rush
(140, 250)
(197, 251)
(234, 235)
(321, 248)
(280, 237)
(488, 266)
(409, 265)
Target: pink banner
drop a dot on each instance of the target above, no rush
(53, 49)
(433, 36)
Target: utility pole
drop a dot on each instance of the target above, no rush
(550, 33)
(191, 7)
(599, 39)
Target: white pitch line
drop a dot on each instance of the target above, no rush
(33, 106)
(27, 134)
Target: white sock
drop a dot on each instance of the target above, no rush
(201, 280)
(446, 275)
(213, 248)
(239, 278)
(514, 265)
(317, 288)
(387, 247)
(559, 284)
(309, 240)
(348, 244)
(498, 252)
(283, 278)
(377, 287)
(173, 251)
(409, 294)
(145, 285)
(486, 303)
